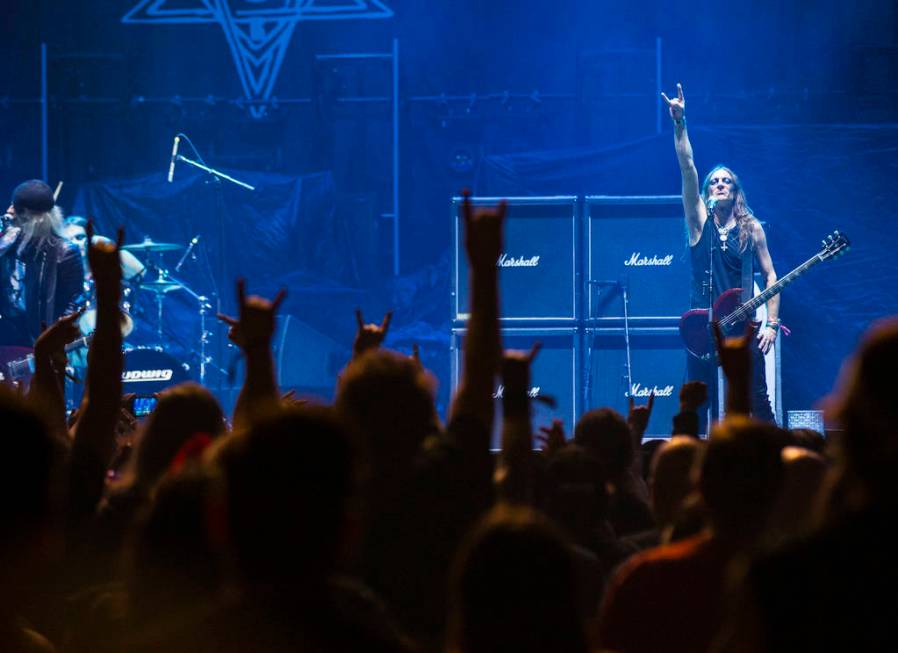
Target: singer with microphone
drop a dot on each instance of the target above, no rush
(726, 242)
(41, 274)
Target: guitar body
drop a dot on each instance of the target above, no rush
(17, 363)
(695, 328)
(9, 355)
(731, 314)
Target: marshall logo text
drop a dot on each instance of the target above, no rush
(636, 390)
(500, 392)
(637, 260)
(506, 261)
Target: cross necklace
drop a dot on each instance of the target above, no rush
(723, 232)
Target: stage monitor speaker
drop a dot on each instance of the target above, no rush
(538, 265)
(638, 243)
(554, 375)
(658, 364)
(307, 358)
(306, 361)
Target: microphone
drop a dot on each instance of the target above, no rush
(174, 158)
(190, 247)
(712, 203)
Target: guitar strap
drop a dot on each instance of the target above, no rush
(748, 282)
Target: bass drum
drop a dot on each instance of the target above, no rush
(149, 370)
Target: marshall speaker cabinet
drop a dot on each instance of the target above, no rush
(657, 364)
(539, 280)
(554, 375)
(637, 245)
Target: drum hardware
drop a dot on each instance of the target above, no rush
(204, 307)
(157, 280)
(88, 320)
(149, 246)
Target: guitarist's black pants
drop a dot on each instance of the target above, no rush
(706, 371)
(13, 332)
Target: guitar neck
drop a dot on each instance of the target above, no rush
(78, 344)
(748, 308)
(25, 366)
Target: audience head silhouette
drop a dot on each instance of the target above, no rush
(740, 477)
(288, 482)
(388, 398)
(604, 433)
(181, 412)
(513, 587)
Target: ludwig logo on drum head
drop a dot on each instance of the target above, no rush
(131, 376)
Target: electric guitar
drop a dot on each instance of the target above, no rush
(17, 363)
(695, 325)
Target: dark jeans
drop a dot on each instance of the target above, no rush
(706, 371)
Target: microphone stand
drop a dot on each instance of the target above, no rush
(625, 293)
(217, 176)
(712, 245)
(624, 287)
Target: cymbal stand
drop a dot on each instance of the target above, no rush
(159, 297)
(204, 308)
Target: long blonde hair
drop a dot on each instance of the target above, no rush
(39, 227)
(745, 218)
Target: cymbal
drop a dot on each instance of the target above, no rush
(148, 245)
(160, 285)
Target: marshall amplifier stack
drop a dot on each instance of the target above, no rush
(637, 279)
(539, 281)
(637, 245)
(554, 375)
(581, 275)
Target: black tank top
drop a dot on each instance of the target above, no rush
(727, 263)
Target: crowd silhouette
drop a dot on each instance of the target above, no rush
(369, 525)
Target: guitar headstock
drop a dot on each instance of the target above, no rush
(834, 245)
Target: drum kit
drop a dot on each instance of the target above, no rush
(151, 367)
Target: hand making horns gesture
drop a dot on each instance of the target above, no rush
(677, 106)
(255, 325)
(370, 336)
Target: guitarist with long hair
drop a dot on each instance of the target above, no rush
(725, 241)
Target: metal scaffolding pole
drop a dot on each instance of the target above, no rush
(44, 132)
(396, 157)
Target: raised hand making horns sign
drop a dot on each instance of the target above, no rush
(483, 232)
(677, 106)
(256, 322)
(369, 336)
